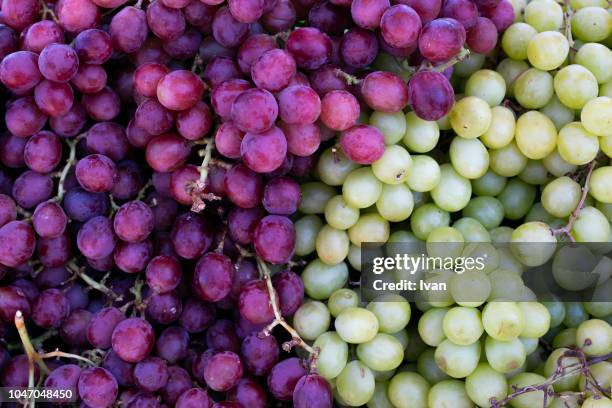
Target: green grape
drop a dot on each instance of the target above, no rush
(536, 135)
(470, 117)
(383, 375)
(557, 166)
(430, 326)
(533, 243)
(515, 40)
(518, 6)
(530, 344)
(486, 383)
(445, 241)
(339, 214)
(321, 280)
(490, 184)
(354, 257)
(444, 122)
(538, 321)
(533, 89)
(557, 358)
(501, 235)
(560, 114)
(449, 393)
(427, 367)
(438, 298)
(408, 390)
(575, 314)
(600, 185)
(601, 372)
(560, 197)
(402, 337)
(529, 399)
(487, 85)
(392, 125)
(470, 289)
(421, 136)
(380, 399)
(600, 309)
(426, 218)
(306, 230)
(578, 4)
(510, 69)
(547, 50)
(462, 325)
(392, 312)
(507, 161)
(394, 165)
(538, 213)
(384, 352)
(355, 384)
(557, 311)
(534, 173)
(544, 15)
(369, 228)
(591, 226)
(597, 58)
(332, 245)
(592, 24)
(517, 198)
(596, 116)
(472, 230)
(594, 336)
(333, 354)
(395, 202)
(333, 167)
(311, 320)
(575, 86)
(503, 321)
(415, 345)
(501, 131)
(606, 89)
(453, 192)
(457, 361)
(505, 356)
(342, 299)
(467, 66)
(606, 209)
(361, 188)
(356, 325)
(489, 211)
(605, 144)
(420, 198)
(565, 338)
(314, 197)
(505, 285)
(469, 157)
(424, 175)
(597, 402)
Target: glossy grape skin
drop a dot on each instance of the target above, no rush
(53, 98)
(212, 277)
(151, 374)
(254, 110)
(254, 303)
(194, 123)
(358, 47)
(13, 299)
(284, 377)
(400, 26)
(194, 397)
(58, 62)
(109, 139)
(441, 39)
(431, 95)
(384, 92)
(191, 235)
(11, 151)
(153, 118)
(64, 377)
(312, 391)
(17, 242)
(128, 29)
(103, 105)
(180, 90)
(299, 105)
(49, 220)
(259, 354)
(248, 393)
(19, 71)
(273, 70)
(101, 326)
(278, 230)
(243, 186)
(310, 47)
(96, 173)
(97, 387)
(132, 339)
(264, 152)
(223, 371)
(70, 124)
(362, 144)
(339, 110)
(167, 152)
(8, 209)
(23, 117)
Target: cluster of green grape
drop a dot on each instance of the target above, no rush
(508, 164)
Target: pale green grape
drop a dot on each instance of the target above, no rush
(361, 188)
(517, 198)
(544, 15)
(533, 89)
(441, 297)
(594, 336)
(547, 50)
(501, 131)
(575, 86)
(591, 226)
(314, 197)
(510, 69)
(507, 161)
(574, 314)
(311, 320)
(395, 202)
(408, 390)
(333, 167)
(306, 230)
(539, 213)
(597, 402)
(557, 359)
(453, 192)
(592, 24)
(380, 399)
(384, 352)
(469, 65)
(369, 228)
(515, 40)
(596, 116)
(560, 114)
(321, 280)
(529, 399)
(444, 123)
(486, 383)
(355, 384)
(469, 157)
(578, 4)
(489, 211)
(533, 243)
(490, 184)
(424, 175)
(445, 241)
(537, 322)
(597, 58)
(470, 288)
(457, 361)
(472, 230)
(605, 144)
(606, 89)
(421, 136)
(530, 344)
(556, 309)
(487, 85)
(505, 356)
(333, 354)
(534, 173)
(394, 165)
(560, 197)
(557, 166)
(600, 309)
(430, 326)
(505, 285)
(420, 198)
(565, 338)
(601, 372)
(503, 321)
(470, 117)
(600, 185)
(392, 125)
(392, 312)
(342, 299)
(356, 325)
(427, 367)
(339, 214)
(354, 257)
(427, 217)
(415, 345)
(536, 135)
(462, 325)
(501, 235)
(332, 245)
(449, 393)
(518, 6)
(402, 337)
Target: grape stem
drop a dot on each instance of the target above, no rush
(567, 16)
(57, 354)
(46, 11)
(143, 190)
(566, 230)
(198, 194)
(296, 340)
(78, 271)
(36, 341)
(350, 79)
(463, 54)
(197, 62)
(69, 163)
(33, 356)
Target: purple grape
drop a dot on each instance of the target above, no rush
(282, 196)
(133, 339)
(384, 92)
(426, 9)
(185, 46)
(12, 151)
(464, 11)
(103, 105)
(172, 344)
(221, 336)
(290, 291)
(52, 277)
(58, 62)
(197, 316)
(8, 209)
(180, 90)
(151, 374)
(431, 95)
(53, 252)
(129, 182)
(93, 46)
(164, 308)
(275, 239)
(259, 354)
(19, 71)
(312, 391)
(363, 144)
(212, 279)
(50, 309)
(13, 299)
(284, 377)
(43, 152)
(166, 23)
(264, 152)
(281, 17)
(273, 70)
(192, 235)
(179, 381)
(502, 15)
(254, 303)
(163, 274)
(101, 326)
(482, 36)
(96, 238)
(223, 371)
(109, 139)
(194, 123)
(74, 328)
(96, 173)
(70, 124)
(400, 26)
(40, 34)
(228, 139)
(441, 39)
(254, 110)
(252, 48)
(310, 47)
(121, 370)
(192, 398)
(23, 118)
(367, 13)
(54, 98)
(133, 257)
(81, 205)
(228, 31)
(248, 393)
(97, 387)
(133, 221)
(153, 118)
(299, 105)
(15, 372)
(167, 152)
(243, 186)
(64, 378)
(17, 242)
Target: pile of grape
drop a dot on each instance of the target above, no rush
(185, 186)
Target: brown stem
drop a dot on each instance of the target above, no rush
(57, 354)
(33, 356)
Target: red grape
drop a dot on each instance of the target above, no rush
(70, 124)
(89, 78)
(164, 308)
(194, 397)
(197, 316)
(101, 326)
(167, 152)
(248, 393)
(384, 92)
(359, 47)
(223, 95)
(19, 14)
(284, 377)
(223, 371)
(40, 34)
(367, 13)
(220, 69)
(19, 71)
(363, 144)
(275, 239)
(228, 31)
(165, 22)
(49, 219)
(128, 29)
(77, 15)
(147, 76)
(96, 173)
(302, 140)
(246, 11)
(282, 196)
(328, 18)
(280, 18)
(339, 110)
(441, 39)
(254, 303)
(264, 152)
(482, 36)
(153, 118)
(290, 291)
(212, 279)
(23, 118)
(312, 390)
(273, 70)
(259, 354)
(108, 139)
(180, 90)
(8, 209)
(97, 387)
(133, 257)
(241, 223)
(431, 95)
(426, 9)
(133, 339)
(192, 235)
(400, 26)
(464, 11)
(310, 47)
(93, 46)
(502, 15)
(254, 110)
(299, 105)
(182, 183)
(102, 105)
(31, 189)
(12, 299)
(54, 98)
(133, 221)
(96, 239)
(326, 79)
(252, 48)
(58, 62)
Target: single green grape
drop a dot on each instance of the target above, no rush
(484, 384)
(600, 185)
(561, 358)
(356, 325)
(333, 167)
(427, 367)
(594, 336)
(534, 173)
(489, 211)
(565, 338)
(538, 321)
(596, 116)
(472, 230)
(591, 226)
(430, 326)
(560, 114)
(505, 356)
(457, 361)
(597, 402)
(321, 280)
(441, 297)
(341, 299)
(467, 66)
(462, 325)
(392, 312)
(306, 230)
(470, 117)
(470, 289)
(529, 399)
(544, 15)
(592, 24)
(517, 198)
(560, 197)
(530, 344)
(311, 320)
(578, 4)
(510, 69)
(533, 243)
(505, 285)
(361, 188)
(332, 245)
(355, 384)
(575, 86)
(394, 165)
(575, 314)
(453, 192)
(515, 40)
(449, 393)
(605, 144)
(536, 135)
(354, 257)
(503, 321)
(380, 399)
(370, 228)
(469, 157)
(533, 89)
(487, 85)
(424, 175)
(556, 165)
(548, 50)
(315, 196)
(490, 184)
(333, 354)
(395, 202)
(556, 309)
(421, 136)
(501, 235)
(501, 131)
(539, 213)
(392, 125)
(384, 352)
(507, 161)
(445, 242)
(426, 218)
(597, 58)
(408, 390)
(339, 214)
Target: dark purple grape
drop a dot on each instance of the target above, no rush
(129, 182)
(133, 257)
(284, 377)
(326, 79)
(103, 105)
(163, 274)
(8, 41)
(133, 339)
(17, 242)
(482, 36)
(8, 209)
(464, 11)
(192, 235)
(400, 26)
(431, 95)
(121, 370)
(310, 47)
(133, 221)
(359, 47)
(210, 48)
(223, 95)
(81, 205)
(243, 186)
(441, 39)
(200, 16)
(384, 92)
(58, 62)
(78, 298)
(226, 404)
(165, 22)
(70, 124)
(254, 303)
(89, 79)
(50, 309)
(192, 398)
(180, 90)
(101, 326)
(172, 344)
(212, 278)
(221, 69)
(226, 30)
(151, 374)
(312, 391)
(179, 381)
(96, 238)
(223, 371)
(11, 151)
(43, 152)
(221, 336)
(53, 252)
(194, 123)
(264, 152)
(93, 46)
(273, 70)
(15, 372)
(97, 387)
(19, 71)
(23, 118)
(426, 9)
(241, 223)
(248, 393)
(254, 110)
(164, 211)
(153, 117)
(275, 239)
(282, 196)
(31, 189)
(328, 18)
(40, 34)
(290, 291)
(167, 152)
(280, 18)
(64, 378)
(136, 136)
(144, 400)
(13, 299)
(197, 316)
(54, 98)
(74, 328)
(502, 15)
(164, 308)
(52, 277)
(260, 354)
(252, 48)
(49, 220)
